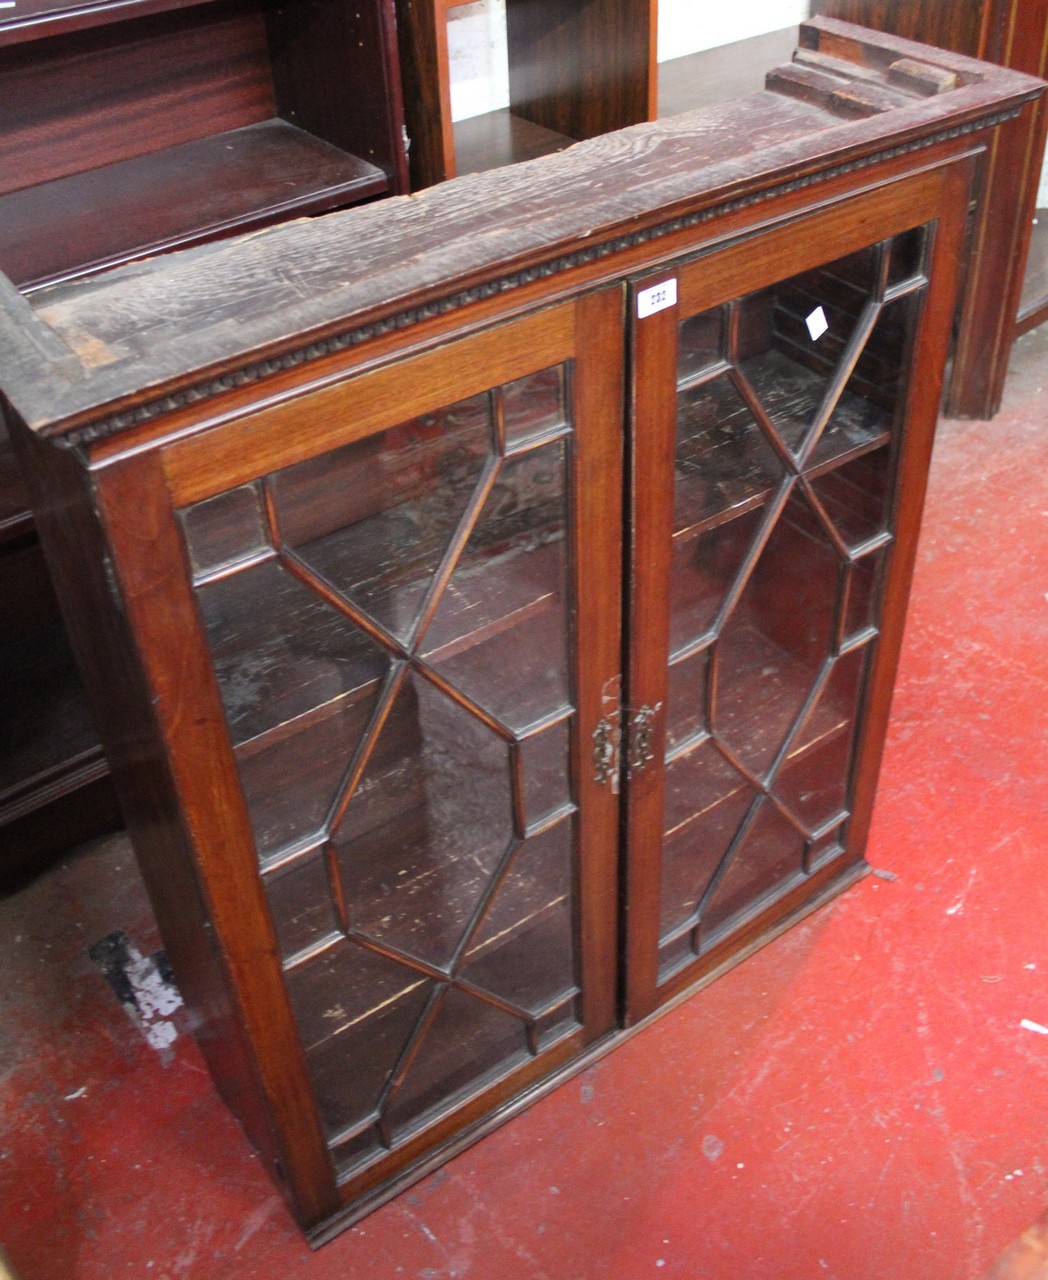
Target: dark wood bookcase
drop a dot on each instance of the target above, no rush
(497, 641)
(1008, 290)
(575, 71)
(130, 128)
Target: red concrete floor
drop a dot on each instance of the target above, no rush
(858, 1101)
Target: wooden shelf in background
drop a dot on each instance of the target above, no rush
(232, 181)
(499, 137)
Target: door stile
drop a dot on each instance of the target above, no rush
(597, 568)
(135, 508)
(651, 436)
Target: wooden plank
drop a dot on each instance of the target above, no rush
(315, 420)
(139, 331)
(101, 100)
(238, 180)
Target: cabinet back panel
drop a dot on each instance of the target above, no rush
(95, 97)
(949, 26)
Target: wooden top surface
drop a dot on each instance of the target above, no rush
(74, 352)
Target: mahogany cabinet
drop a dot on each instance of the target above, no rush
(129, 127)
(575, 71)
(490, 600)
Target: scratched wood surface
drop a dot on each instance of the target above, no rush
(150, 326)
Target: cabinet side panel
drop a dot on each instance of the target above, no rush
(336, 74)
(580, 69)
(84, 557)
(422, 35)
(922, 414)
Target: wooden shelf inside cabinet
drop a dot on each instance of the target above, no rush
(575, 71)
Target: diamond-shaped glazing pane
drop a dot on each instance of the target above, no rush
(767, 859)
(427, 826)
(812, 781)
(356, 1013)
(778, 638)
(705, 799)
(280, 651)
(723, 458)
(705, 568)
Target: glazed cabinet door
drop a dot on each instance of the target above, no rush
(773, 421)
(401, 599)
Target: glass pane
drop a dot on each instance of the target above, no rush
(723, 457)
(557, 1023)
(356, 1012)
(428, 825)
(701, 344)
(524, 950)
(768, 860)
(864, 577)
(281, 652)
(854, 497)
(704, 570)
(865, 412)
(500, 632)
(793, 336)
(686, 702)
(224, 529)
(906, 258)
(824, 850)
(813, 780)
(292, 781)
(301, 904)
(376, 517)
(468, 1044)
(705, 800)
(777, 639)
(533, 405)
(545, 763)
(355, 1152)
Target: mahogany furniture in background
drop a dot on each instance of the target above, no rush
(575, 71)
(130, 127)
(1001, 301)
(339, 513)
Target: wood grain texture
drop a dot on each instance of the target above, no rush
(652, 448)
(233, 181)
(426, 77)
(273, 1097)
(581, 70)
(956, 26)
(96, 97)
(1016, 35)
(430, 291)
(41, 19)
(138, 332)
